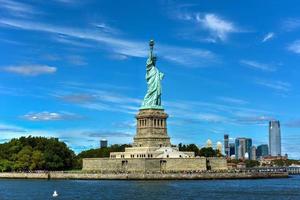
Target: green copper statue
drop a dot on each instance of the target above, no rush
(152, 99)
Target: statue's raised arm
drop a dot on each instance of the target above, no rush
(152, 99)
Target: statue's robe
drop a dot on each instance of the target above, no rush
(153, 77)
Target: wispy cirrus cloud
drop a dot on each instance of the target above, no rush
(50, 116)
(103, 27)
(254, 119)
(257, 65)
(217, 27)
(209, 112)
(293, 123)
(16, 8)
(97, 99)
(291, 24)
(5, 128)
(295, 47)
(268, 37)
(30, 70)
(76, 60)
(114, 44)
(279, 86)
(233, 100)
(105, 134)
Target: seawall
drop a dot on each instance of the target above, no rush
(143, 176)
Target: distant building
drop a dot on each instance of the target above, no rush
(267, 160)
(226, 145)
(232, 149)
(103, 143)
(262, 151)
(243, 148)
(209, 144)
(219, 147)
(274, 138)
(253, 153)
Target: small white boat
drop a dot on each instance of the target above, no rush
(55, 194)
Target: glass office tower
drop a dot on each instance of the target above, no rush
(274, 138)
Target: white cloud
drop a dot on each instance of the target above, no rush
(268, 36)
(209, 117)
(76, 60)
(105, 28)
(280, 86)
(30, 70)
(233, 100)
(295, 47)
(6, 128)
(18, 9)
(262, 119)
(118, 57)
(120, 46)
(291, 24)
(50, 116)
(187, 56)
(98, 99)
(257, 65)
(218, 27)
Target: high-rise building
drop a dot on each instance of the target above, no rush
(219, 146)
(231, 149)
(103, 143)
(243, 148)
(253, 153)
(274, 138)
(262, 150)
(226, 145)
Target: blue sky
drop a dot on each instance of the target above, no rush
(75, 69)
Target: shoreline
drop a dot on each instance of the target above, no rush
(143, 176)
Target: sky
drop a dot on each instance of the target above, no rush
(76, 69)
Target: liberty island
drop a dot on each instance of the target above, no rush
(152, 151)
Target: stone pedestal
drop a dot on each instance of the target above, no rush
(151, 129)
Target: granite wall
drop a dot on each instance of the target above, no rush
(215, 163)
(144, 164)
(142, 176)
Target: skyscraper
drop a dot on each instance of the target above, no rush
(232, 149)
(243, 148)
(103, 143)
(253, 153)
(262, 150)
(226, 145)
(274, 138)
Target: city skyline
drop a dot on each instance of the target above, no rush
(71, 73)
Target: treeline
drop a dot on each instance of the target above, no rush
(98, 153)
(35, 153)
(40, 153)
(205, 151)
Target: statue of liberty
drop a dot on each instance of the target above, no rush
(152, 99)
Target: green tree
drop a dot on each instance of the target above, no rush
(251, 163)
(38, 160)
(24, 158)
(5, 165)
(33, 153)
(207, 152)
